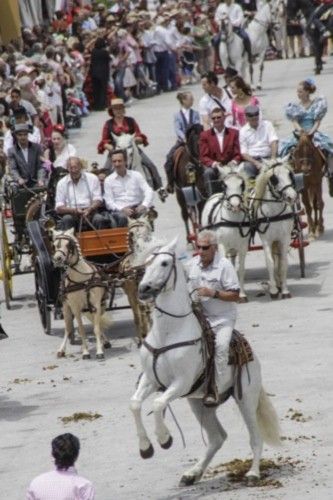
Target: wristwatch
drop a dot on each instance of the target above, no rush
(216, 294)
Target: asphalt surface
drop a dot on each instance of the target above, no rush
(293, 340)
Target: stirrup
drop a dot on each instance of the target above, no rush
(210, 401)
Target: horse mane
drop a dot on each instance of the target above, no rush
(192, 136)
(262, 180)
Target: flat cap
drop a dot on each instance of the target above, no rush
(252, 110)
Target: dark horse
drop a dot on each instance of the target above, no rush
(309, 160)
(188, 172)
(311, 12)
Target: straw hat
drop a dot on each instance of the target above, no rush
(117, 102)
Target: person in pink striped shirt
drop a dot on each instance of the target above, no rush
(63, 483)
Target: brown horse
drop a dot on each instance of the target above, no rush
(188, 172)
(309, 160)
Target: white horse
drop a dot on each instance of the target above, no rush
(274, 201)
(228, 215)
(231, 48)
(84, 289)
(172, 360)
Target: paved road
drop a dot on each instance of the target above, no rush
(293, 339)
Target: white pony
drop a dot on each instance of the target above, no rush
(172, 361)
(228, 215)
(83, 289)
(231, 48)
(273, 207)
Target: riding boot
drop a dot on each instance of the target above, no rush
(248, 48)
(168, 167)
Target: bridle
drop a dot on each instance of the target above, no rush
(163, 286)
(272, 186)
(235, 195)
(71, 249)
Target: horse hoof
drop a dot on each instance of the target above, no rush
(187, 481)
(243, 300)
(107, 345)
(274, 296)
(99, 356)
(148, 453)
(86, 356)
(286, 295)
(167, 444)
(60, 354)
(252, 478)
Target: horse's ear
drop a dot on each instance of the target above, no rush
(70, 231)
(54, 233)
(171, 247)
(223, 172)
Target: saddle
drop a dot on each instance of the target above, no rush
(240, 354)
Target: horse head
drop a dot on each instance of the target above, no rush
(66, 250)
(280, 180)
(160, 270)
(226, 30)
(126, 142)
(192, 139)
(233, 187)
(305, 154)
(139, 232)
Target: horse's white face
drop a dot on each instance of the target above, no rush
(282, 183)
(127, 142)
(64, 244)
(159, 270)
(226, 27)
(139, 232)
(234, 189)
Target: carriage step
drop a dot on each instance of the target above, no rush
(253, 248)
(299, 244)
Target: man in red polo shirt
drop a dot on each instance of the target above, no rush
(218, 146)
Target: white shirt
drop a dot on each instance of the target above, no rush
(68, 151)
(219, 275)
(234, 12)
(25, 152)
(220, 138)
(161, 39)
(8, 141)
(257, 142)
(127, 191)
(80, 195)
(207, 103)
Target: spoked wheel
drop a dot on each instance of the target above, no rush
(41, 297)
(6, 263)
(299, 241)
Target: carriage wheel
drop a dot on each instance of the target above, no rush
(44, 309)
(301, 252)
(6, 263)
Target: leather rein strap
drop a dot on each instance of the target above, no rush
(161, 350)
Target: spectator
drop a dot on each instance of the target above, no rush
(63, 483)
(60, 150)
(242, 97)
(100, 73)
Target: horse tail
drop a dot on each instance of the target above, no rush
(268, 420)
(105, 320)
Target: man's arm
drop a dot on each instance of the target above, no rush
(13, 168)
(148, 193)
(274, 149)
(237, 156)
(108, 195)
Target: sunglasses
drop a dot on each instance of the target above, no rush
(203, 247)
(252, 115)
(217, 117)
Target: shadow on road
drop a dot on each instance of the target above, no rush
(14, 410)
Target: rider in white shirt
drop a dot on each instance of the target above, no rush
(78, 197)
(126, 192)
(258, 140)
(214, 97)
(235, 13)
(214, 279)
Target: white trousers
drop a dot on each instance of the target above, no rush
(223, 334)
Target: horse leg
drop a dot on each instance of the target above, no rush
(145, 388)
(97, 315)
(241, 274)
(174, 391)
(248, 406)
(320, 208)
(130, 290)
(251, 75)
(273, 290)
(283, 269)
(216, 436)
(82, 332)
(306, 195)
(69, 329)
(261, 72)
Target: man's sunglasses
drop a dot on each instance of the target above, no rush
(203, 247)
(252, 115)
(217, 117)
